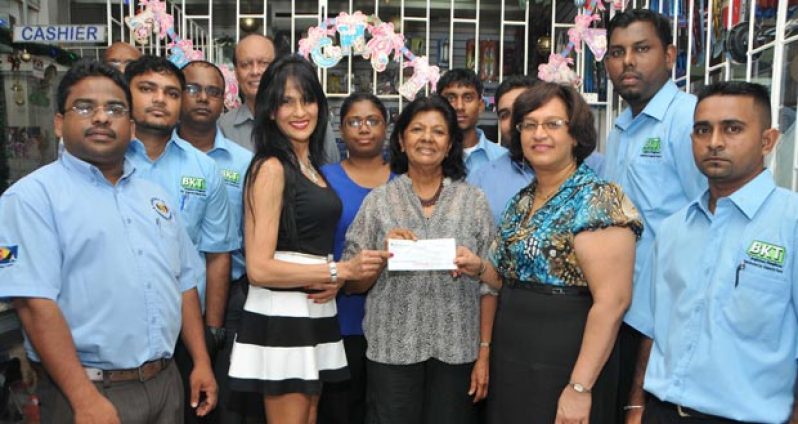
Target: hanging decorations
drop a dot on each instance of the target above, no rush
(153, 18)
(231, 98)
(319, 45)
(558, 69)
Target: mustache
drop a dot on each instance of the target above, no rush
(100, 131)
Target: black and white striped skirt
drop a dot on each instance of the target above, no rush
(287, 343)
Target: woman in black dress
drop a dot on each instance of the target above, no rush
(289, 342)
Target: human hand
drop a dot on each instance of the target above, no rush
(399, 234)
(202, 382)
(366, 264)
(573, 407)
(467, 262)
(479, 378)
(634, 416)
(97, 410)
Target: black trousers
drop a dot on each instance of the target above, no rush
(345, 402)
(659, 412)
(628, 347)
(429, 392)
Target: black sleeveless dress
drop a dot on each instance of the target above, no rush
(287, 343)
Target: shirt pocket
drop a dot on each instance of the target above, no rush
(757, 304)
(170, 244)
(649, 175)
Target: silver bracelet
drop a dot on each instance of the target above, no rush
(333, 269)
(631, 407)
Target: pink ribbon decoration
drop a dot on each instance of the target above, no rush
(423, 73)
(383, 41)
(231, 99)
(558, 70)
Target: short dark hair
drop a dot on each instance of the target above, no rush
(512, 82)
(459, 76)
(758, 92)
(629, 16)
(255, 34)
(149, 63)
(89, 68)
(453, 165)
(580, 117)
(359, 97)
(205, 64)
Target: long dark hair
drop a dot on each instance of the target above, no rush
(271, 142)
(453, 165)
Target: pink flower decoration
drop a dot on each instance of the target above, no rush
(558, 70)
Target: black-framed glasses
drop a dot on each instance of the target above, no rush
(356, 123)
(552, 125)
(194, 90)
(113, 110)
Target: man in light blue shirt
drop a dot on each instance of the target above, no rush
(723, 309)
(502, 178)
(202, 104)
(101, 271)
(463, 89)
(648, 150)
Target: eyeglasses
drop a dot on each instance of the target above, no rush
(194, 90)
(113, 111)
(246, 64)
(356, 123)
(547, 126)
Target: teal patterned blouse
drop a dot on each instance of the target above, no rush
(539, 247)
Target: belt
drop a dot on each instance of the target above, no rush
(548, 289)
(685, 412)
(143, 373)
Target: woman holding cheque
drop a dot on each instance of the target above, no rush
(422, 326)
(563, 257)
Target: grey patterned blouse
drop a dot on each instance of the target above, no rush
(415, 316)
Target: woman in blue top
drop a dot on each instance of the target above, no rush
(363, 123)
(563, 257)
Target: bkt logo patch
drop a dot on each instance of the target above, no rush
(767, 252)
(231, 177)
(8, 255)
(653, 146)
(193, 184)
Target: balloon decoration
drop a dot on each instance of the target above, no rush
(153, 18)
(558, 69)
(320, 46)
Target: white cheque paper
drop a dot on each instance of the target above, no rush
(421, 255)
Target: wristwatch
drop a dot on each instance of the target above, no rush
(216, 336)
(578, 388)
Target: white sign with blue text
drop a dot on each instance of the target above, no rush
(59, 34)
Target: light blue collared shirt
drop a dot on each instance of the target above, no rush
(502, 178)
(651, 157)
(484, 152)
(233, 161)
(194, 184)
(114, 258)
(723, 305)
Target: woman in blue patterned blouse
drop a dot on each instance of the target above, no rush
(563, 257)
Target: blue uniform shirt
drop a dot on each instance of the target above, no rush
(233, 161)
(193, 183)
(502, 178)
(722, 310)
(484, 152)
(114, 258)
(651, 157)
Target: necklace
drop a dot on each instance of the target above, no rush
(426, 203)
(309, 172)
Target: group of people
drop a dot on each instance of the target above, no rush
(653, 284)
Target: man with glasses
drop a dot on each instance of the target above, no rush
(252, 56)
(101, 270)
(190, 177)
(202, 104)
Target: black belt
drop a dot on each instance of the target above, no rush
(685, 412)
(145, 372)
(548, 289)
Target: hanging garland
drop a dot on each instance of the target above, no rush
(153, 18)
(558, 69)
(384, 42)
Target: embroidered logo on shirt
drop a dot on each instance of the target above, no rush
(193, 184)
(767, 252)
(652, 147)
(161, 207)
(231, 177)
(8, 255)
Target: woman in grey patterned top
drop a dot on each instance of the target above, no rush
(422, 327)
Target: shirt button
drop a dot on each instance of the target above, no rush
(149, 286)
(140, 252)
(129, 220)
(152, 320)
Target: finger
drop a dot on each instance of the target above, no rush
(482, 392)
(195, 392)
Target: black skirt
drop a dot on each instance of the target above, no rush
(536, 341)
